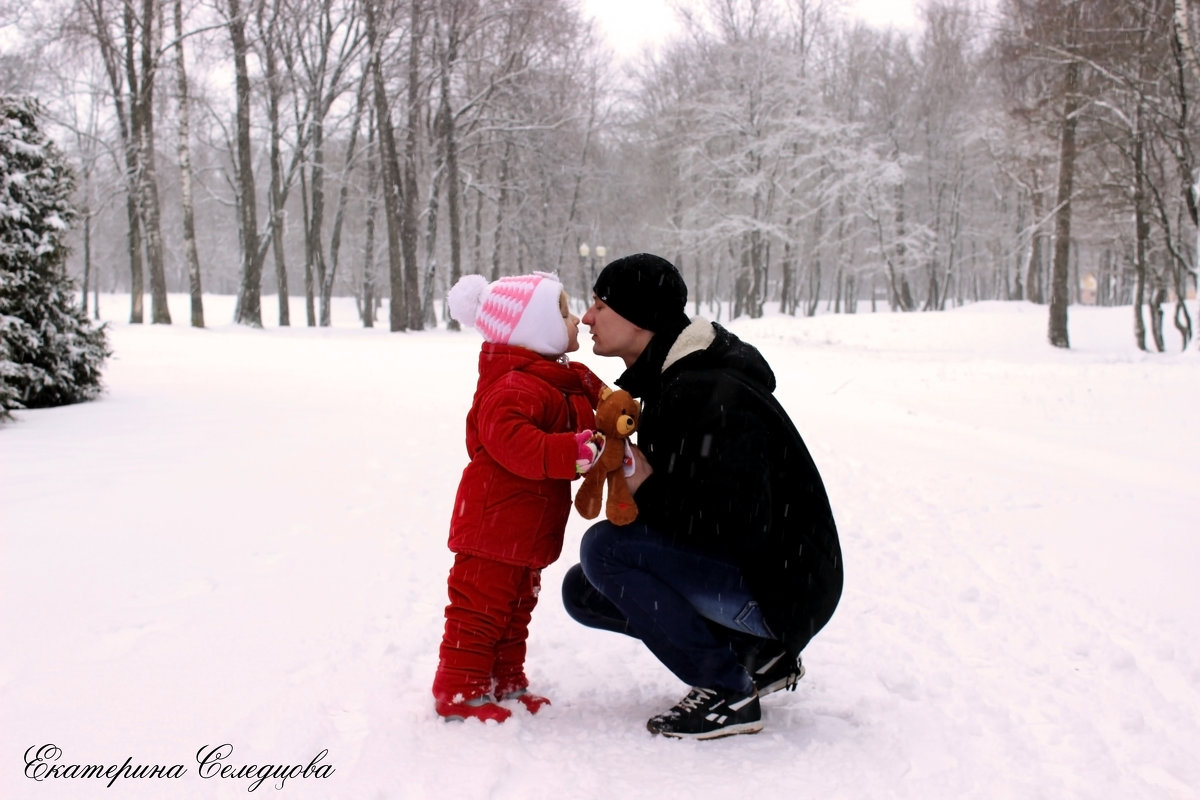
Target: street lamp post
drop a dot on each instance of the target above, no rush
(587, 262)
(584, 252)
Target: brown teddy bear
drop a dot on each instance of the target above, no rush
(617, 418)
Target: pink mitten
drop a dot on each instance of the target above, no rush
(589, 450)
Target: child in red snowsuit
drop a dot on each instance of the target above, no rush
(528, 436)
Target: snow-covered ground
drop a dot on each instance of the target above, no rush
(243, 542)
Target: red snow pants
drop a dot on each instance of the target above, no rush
(487, 624)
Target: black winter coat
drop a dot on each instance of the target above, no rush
(732, 476)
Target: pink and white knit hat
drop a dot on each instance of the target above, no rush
(522, 310)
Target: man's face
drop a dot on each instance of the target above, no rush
(613, 335)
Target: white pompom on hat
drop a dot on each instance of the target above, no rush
(520, 310)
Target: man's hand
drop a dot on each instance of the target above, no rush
(641, 470)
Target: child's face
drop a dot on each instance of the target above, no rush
(572, 323)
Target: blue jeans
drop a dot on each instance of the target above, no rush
(690, 609)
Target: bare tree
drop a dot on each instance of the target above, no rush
(774, 151)
(414, 319)
(271, 32)
(130, 50)
(145, 31)
(248, 310)
(185, 172)
(1048, 32)
(377, 30)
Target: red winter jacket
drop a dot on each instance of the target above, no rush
(515, 495)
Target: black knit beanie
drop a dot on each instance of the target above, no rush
(645, 289)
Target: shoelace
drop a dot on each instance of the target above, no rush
(696, 697)
(794, 678)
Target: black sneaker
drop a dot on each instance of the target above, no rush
(777, 672)
(709, 714)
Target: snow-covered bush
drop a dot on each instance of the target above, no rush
(50, 354)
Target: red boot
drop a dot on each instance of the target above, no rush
(480, 708)
(533, 702)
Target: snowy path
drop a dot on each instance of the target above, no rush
(244, 542)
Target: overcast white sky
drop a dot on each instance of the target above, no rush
(630, 24)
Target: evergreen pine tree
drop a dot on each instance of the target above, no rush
(50, 354)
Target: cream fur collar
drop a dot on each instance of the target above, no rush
(696, 336)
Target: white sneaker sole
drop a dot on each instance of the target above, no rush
(719, 733)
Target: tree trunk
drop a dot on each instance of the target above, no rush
(849, 292)
(275, 159)
(1183, 35)
(1033, 270)
(142, 116)
(951, 256)
(114, 59)
(1059, 296)
(137, 287)
(1185, 56)
(185, 176)
(1156, 319)
(367, 311)
(452, 209)
(814, 254)
(390, 174)
(249, 301)
(86, 214)
(392, 188)
(339, 216)
(901, 296)
(501, 202)
(409, 232)
(449, 132)
(787, 304)
(477, 234)
(314, 248)
(1141, 226)
(431, 229)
